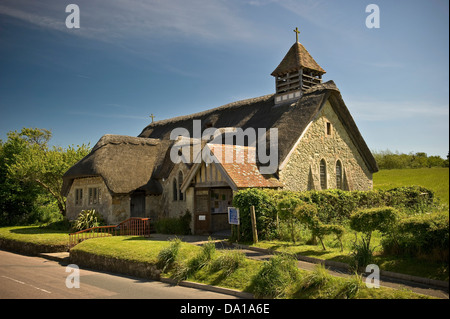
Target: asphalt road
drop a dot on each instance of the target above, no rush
(24, 277)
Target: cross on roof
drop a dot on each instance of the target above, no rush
(152, 116)
(297, 32)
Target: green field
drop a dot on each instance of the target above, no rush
(436, 179)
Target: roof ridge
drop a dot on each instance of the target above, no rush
(202, 113)
(113, 139)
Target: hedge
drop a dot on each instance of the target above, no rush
(424, 235)
(174, 225)
(334, 206)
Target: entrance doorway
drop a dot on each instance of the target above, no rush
(202, 216)
(137, 204)
(211, 209)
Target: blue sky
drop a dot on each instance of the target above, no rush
(132, 58)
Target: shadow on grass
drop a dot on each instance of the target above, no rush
(35, 230)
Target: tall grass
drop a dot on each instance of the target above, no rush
(167, 256)
(199, 261)
(275, 277)
(229, 261)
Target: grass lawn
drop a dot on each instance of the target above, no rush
(243, 278)
(132, 248)
(144, 250)
(35, 234)
(436, 179)
(405, 265)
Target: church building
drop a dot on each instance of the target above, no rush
(317, 146)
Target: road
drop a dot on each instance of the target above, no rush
(27, 277)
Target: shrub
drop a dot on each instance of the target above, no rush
(332, 206)
(307, 214)
(265, 211)
(416, 198)
(174, 225)
(284, 231)
(88, 219)
(336, 230)
(362, 254)
(275, 276)
(424, 235)
(367, 221)
(286, 208)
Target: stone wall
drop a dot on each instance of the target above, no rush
(105, 198)
(120, 209)
(168, 206)
(301, 171)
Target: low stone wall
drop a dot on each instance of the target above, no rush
(110, 264)
(30, 249)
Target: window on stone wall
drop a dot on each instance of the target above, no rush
(94, 195)
(339, 178)
(323, 174)
(180, 182)
(79, 196)
(174, 190)
(328, 129)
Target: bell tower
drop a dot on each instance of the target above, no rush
(297, 72)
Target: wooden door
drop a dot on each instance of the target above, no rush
(137, 205)
(202, 215)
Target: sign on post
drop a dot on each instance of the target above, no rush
(233, 215)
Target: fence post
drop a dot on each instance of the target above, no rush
(254, 230)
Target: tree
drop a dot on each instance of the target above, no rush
(367, 221)
(43, 165)
(17, 198)
(307, 214)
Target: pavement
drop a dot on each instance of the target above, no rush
(264, 254)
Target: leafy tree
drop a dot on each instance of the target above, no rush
(367, 221)
(40, 165)
(17, 198)
(389, 160)
(308, 214)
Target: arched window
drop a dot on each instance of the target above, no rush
(180, 182)
(323, 174)
(174, 189)
(339, 175)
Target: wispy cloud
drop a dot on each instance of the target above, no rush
(373, 110)
(119, 19)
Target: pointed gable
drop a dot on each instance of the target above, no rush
(296, 58)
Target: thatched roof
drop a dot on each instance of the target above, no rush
(126, 163)
(296, 58)
(291, 119)
(129, 163)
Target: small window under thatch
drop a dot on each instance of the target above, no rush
(79, 196)
(94, 195)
